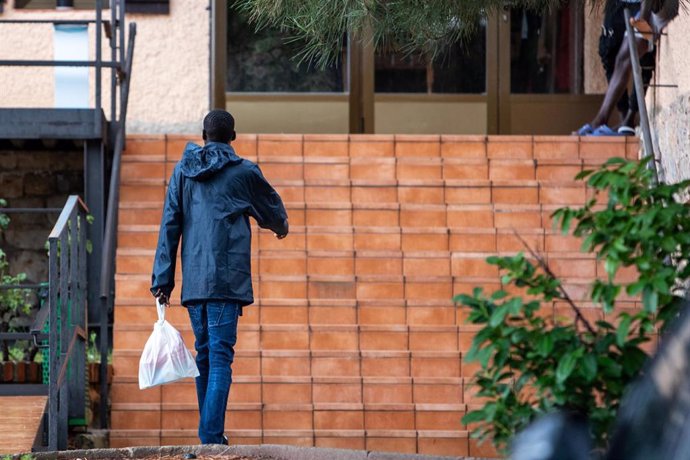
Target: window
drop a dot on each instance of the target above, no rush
(542, 59)
(264, 62)
(459, 69)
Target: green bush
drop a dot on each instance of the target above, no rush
(15, 304)
(532, 364)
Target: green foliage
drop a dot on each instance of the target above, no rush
(532, 364)
(15, 304)
(421, 27)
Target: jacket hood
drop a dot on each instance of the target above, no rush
(200, 163)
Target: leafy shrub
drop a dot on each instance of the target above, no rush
(532, 364)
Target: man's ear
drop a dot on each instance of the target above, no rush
(233, 137)
(203, 134)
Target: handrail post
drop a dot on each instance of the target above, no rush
(53, 349)
(648, 146)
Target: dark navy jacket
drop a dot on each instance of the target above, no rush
(212, 193)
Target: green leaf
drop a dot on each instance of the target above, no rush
(565, 367)
(473, 417)
(545, 345)
(623, 329)
(650, 299)
(589, 367)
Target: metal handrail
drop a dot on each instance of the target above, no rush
(647, 144)
(67, 296)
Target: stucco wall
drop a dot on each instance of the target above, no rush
(670, 107)
(595, 79)
(170, 83)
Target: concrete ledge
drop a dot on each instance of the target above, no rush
(261, 452)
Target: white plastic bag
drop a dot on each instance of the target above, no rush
(165, 358)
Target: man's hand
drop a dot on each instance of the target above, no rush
(286, 226)
(280, 237)
(162, 298)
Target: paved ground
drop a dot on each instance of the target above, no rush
(263, 452)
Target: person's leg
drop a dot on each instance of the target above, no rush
(197, 316)
(222, 320)
(619, 82)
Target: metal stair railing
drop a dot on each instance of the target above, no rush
(647, 144)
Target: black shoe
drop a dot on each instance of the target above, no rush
(225, 441)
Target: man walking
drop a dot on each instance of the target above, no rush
(211, 194)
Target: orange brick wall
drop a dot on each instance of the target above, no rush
(354, 340)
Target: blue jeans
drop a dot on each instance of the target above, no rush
(215, 331)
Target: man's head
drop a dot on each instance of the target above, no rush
(219, 126)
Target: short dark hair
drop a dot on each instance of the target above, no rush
(219, 126)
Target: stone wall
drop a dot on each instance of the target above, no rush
(36, 179)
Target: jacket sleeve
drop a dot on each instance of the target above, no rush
(163, 276)
(266, 206)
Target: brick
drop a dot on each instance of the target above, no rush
(145, 145)
(463, 146)
(289, 263)
(438, 391)
(287, 419)
(135, 420)
(369, 241)
(556, 147)
(240, 420)
(382, 314)
(433, 339)
(142, 170)
(385, 364)
(326, 171)
(284, 314)
(376, 217)
(391, 444)
(324, 314)
(372, 146)
(560, 194)
(140, 216)
(330, 241)
(275, 171)
(331, 289)
(130, 393)
(573, 268)
(335, 365)
(472, 265)
(430, 315)
(372, 169)
(286, 393)
(425, 241)
(438, 288)
(383, 338)
(510, 147)
(418, 169)
(338, 218)
(295, 241)
(507, 241)
(426, 266)
(389, 420)
(296, 338)
(482, 450)
(282, 289)
(452, 445)
(558, 172)
(466, 169)
(327, 194)
(422, 216)
(279, 144)
(511, 170)
(332, 265)
(466, 192)
(326, 145)
(383, 265)
(417, 146)
(387, 391)
(633, 148)
(421, 194)
(602, 148)
(435, 366)
(338, 420)
(246, 145)
(443, 418)
(509, 194)
(341, 392)
(517, 218)
(370, 289)
(479, 240)
(142, 193)
(374, 194)
(477, 216)
(334, 338)
(562, 243)
(289, 192)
